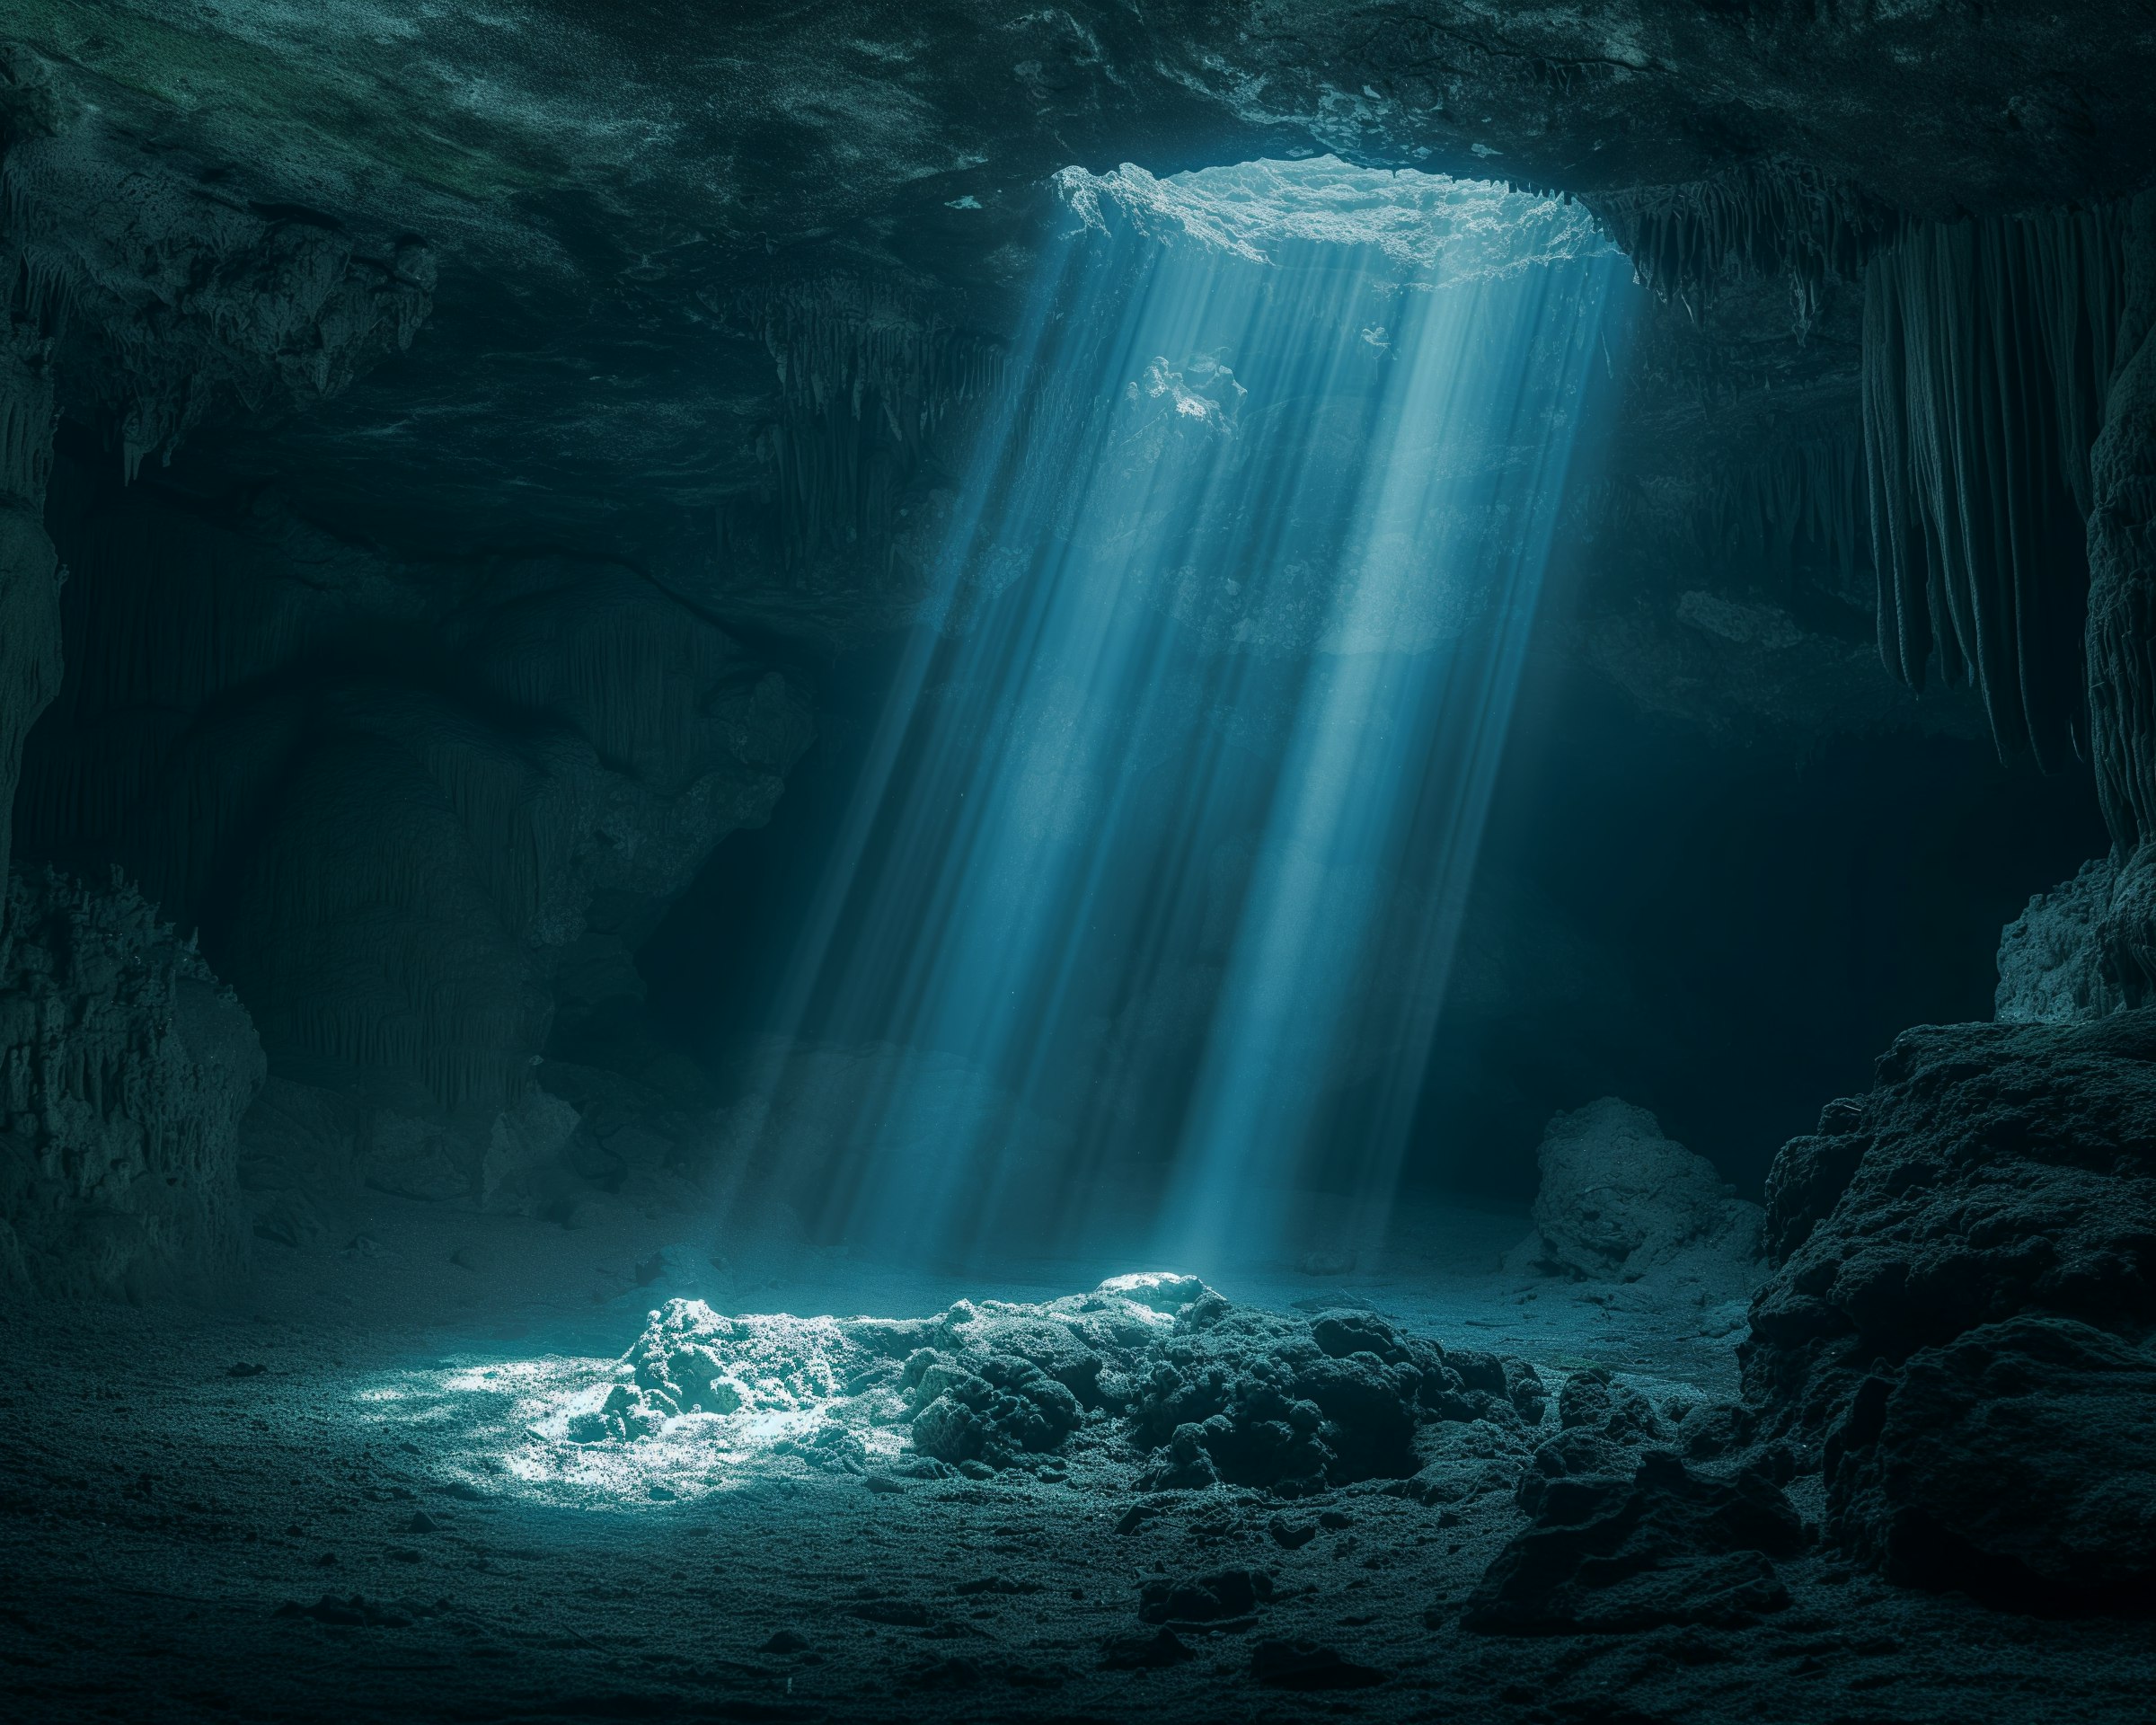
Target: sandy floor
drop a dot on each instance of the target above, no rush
(338, 1502)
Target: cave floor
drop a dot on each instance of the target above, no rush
(313, 1506)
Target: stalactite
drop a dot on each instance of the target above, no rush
(866, 382)
(1805, 501)
(1762, 219)
(1988, 349)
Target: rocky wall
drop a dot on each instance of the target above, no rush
(30, 574)
(412, 809)
(125, 1067)
(1958, 1324)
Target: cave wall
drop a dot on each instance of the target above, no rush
(411, 810)
(30, 575)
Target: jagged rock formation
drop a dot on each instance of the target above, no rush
(1966, 1277)
(124, 1066)
(2050, 956)
(1612, 1555)
(2015, 1463)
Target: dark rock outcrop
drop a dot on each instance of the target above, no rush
(1619, 1202)
(1966, 1285)
(2017, 1463)
(1257, 1398)
(1995, 1171)
(124, 1066)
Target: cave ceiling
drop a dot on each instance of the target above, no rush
(612, 233)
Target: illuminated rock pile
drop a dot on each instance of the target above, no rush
(1155, 1377)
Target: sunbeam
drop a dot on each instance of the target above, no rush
(1151, 884)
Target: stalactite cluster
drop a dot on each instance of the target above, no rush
(1805, 501)
(1762, 219)
(1988, 350)
(866, 382)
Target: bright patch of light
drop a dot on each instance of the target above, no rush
(1436, 227)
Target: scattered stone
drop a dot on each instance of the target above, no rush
(882, 1482)
(244, 1369)
(996, 1584)
(422, 1523)
(352, 1611)
(958, 1673)
(1291, 1536)
(1154, 1652)
(1304, 1665)
(1611, 1555)
(1204, 1598)
(786, 1641)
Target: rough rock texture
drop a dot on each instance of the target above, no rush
(2122, 619)
(125, 1067)
(1618, 1200)
(170, 300)
(1995, 1170)
(1157, 1372)
(2018, 1463)
(2050, 956)
(1967, 1268)
(30, 586)
(421, 815)
(1613, 1555)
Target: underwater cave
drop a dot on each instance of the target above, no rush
(1116, 863)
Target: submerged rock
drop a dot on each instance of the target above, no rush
(1205, 1598)
(1996, 1170)
(2017, 1464)
(1668, 1545)
(125, 1067)
(1619, 1200)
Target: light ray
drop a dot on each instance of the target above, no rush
(1139, 923)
